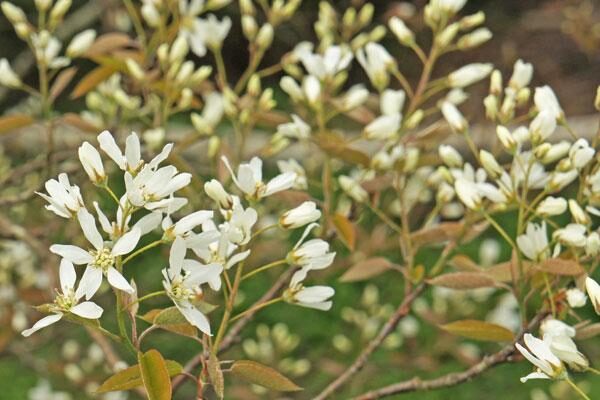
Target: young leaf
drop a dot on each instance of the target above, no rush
(346, 230)
(366, 269)
(262, 375)
(463, 280)
(155, 375)
(559, 266)
(216, 375)
(108, 42)
(131, 377)
(479, 330)
(9, 123)
(92, 79)
(61, 82)
(171, 320)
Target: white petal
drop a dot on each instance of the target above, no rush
(246, 180)
(195, 317)
(161, 156)
(104, 222)
(67, 275)
(127, 242)
(42, 323)
(108, 144)
(534, 375)
(323, 306)
(148, 223)
(72, 253)
(90, 282)
(88, 226)
(117, 280)
(237, 258)
(132, 150)
(176, 256)
(280, 182)
(314, 294)
(87, 309)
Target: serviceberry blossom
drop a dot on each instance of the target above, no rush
(131, 161)
(534, 243)
(67, 300)
(333, 60)
(183, 281)
(538, 353)
(559, 337)
(377, 62)
(313, 254)
(64, 199)
(316, 297)
(249, 179)
(593, 290)
(101, 259)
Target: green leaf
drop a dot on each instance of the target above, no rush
(155, 375)
(172, 320)
(479, 330)
(131, 377)
(262, 375)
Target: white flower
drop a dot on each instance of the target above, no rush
(101, 260)
(184, 227)
(313, 254)
(65, 200)
(454, 118)
(239, 227)
(305, 213)
(354, 97)
(555, 151)
(593, 291)
(552, 206)
(468, 192)
(213, 246)
(297, 129)
(490, 164)
(215, 191)
(249, 179)
(542, 126)
(383, 127)
(353, 188)
(47, 48)
(579, 216)
(115, 229)
(150, 13)
(558, 336)
(522, 73)
(183, 280)
(208, 32)
(333, 60)
(311, 89)
(316, 297)
(545, 100)
(8, 77)
(469, 74)
(376, 61)
(571, 235)
(559, 180)
(131, 161)
(506, 138)
(291, 165)
(450, 156)
(576, 298)
(399, 28)
(534, 243)
(153, 189)
(92, 163)
(67, 300)
(581, 153)
(291, 87)
(539, 354)
(81, 43)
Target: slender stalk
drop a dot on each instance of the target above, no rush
(256, 308)
(142, 249)
(264, 268)
(577, 389)
(146, 297)
(384, 218)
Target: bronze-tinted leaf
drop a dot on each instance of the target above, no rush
(366, 269)
(464, 263)
(262, 375)
(479, 330)
(108, 42)
(78, 122)
(9, 123)
(336, 146)
(216, 375)
(346, 230)
(463, 280)
(559, 266)
(436, 234)
(61, 82)
(131, 377)
(172, 320)
(92, 79)
(155, 375)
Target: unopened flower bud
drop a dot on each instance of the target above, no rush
(489, 163)
(447, 35)
(134, 69)
(43, 5)
(264, 38)
(13, 13)
(247, 8)
(597, 99)
(551, 206)
(214, 145)
(249, 27)
(399, 28)
(254, 86)
(496, 83)
(522, 73)
(490, 102)
(59, 10)
(179, 49)
(215, 191)
(577, 213)
(81, 43)
(8, 77)
(302, 215)
(469, 74)
(454, 118)
(355, 97)
(414, 119)
(576, 298)
(474, 39)
(471, 21)
(365, 15)
(450, 156)
(506, 138)
(593, 291)
(349, 18)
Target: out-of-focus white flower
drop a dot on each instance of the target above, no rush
(249, 179)
(64, 200)
(571, 235)
(297, 129)
(383, 127)
(581, 153)
(67, 300)
(47, 48)
(399, 28)
(534, 243)
(208, 32)
(469, 74)
(81, 43)
(92, 163)
(449, 6)
(542, 126)
(454, 118)
(539, 354)
(376, 61)
(559, 336)
(593, 290)
(101, 260)
(291, 165)
(212, 113)
(545, 101)
(468, 192)
(489, 163)
(392, 101)
(354, 97)
(577, 213)
(311, 89)
(522, 73)
(353, 188)
(150, 13)
(450, 156)
(13, 13)
(576, 298)
(183, 280)
(215, 191)
(184, 227)
(333, 60)
(291, 87)
(8, 77)
(559, 180)
(552, 206)
(313, 254)
(506, 138)
(592, 244)
(305, 213)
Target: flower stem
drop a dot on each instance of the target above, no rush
(142, 249)
(577, 389)
(264, 268)
(256, 308)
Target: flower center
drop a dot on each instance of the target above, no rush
(103, 259)
(180, 292)
(64, 301)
